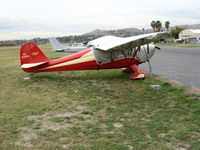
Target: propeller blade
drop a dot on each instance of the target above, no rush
(148, 48)
(158, 48)
(148, 60)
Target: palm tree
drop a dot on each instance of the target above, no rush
(143, 30)
(167, 23)
(153, 25)
(158, 25)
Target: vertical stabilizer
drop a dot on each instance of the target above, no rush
(57, 46)
(32, 57)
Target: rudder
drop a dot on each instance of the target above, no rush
(31, 57)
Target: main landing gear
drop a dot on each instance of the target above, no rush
(137, 74)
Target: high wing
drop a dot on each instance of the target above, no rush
(109, 43)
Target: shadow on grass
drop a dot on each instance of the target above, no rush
(82, 75)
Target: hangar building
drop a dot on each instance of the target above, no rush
(190, 36)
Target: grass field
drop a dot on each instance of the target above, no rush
(92, 110)
(180, 45)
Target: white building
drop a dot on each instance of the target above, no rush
(190, 36)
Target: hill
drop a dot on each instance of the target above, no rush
(193, 26)
(119, 32)
(132, 31)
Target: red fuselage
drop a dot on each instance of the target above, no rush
(83, 60)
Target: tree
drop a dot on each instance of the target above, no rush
(167, 23)
(143, 30)
(175, 32)
(158, 26)
(153, 25)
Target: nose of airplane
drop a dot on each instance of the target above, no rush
(151, 52)
(147, 51)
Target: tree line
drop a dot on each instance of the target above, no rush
(174, 33)
(157, 25)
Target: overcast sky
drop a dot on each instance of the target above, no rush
(21, 19)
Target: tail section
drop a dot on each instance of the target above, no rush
(57, 46)
(32, 58)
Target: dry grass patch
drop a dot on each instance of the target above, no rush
(52, 121)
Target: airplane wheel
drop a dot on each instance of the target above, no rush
(138, 76)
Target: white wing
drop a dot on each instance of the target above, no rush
(106, 43)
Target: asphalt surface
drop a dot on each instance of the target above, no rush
(181, 64)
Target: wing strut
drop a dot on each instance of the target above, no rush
(136, 50)
(134, 54)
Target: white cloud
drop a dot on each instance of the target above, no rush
(78, 16)
(32, 34)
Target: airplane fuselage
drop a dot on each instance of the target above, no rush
(85, 60)
(107, 52)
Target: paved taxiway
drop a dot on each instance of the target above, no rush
(181, 64)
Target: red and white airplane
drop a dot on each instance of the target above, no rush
(106, 52)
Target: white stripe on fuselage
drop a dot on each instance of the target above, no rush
(89, 56)
(25, 66)
(85, 58)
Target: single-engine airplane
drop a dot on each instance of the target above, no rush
(58, 47)
(107, 52)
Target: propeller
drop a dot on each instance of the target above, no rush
(146, 50)
(158, 48)
(148, 60)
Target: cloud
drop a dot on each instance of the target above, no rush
(32, 34)
(77, 16)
